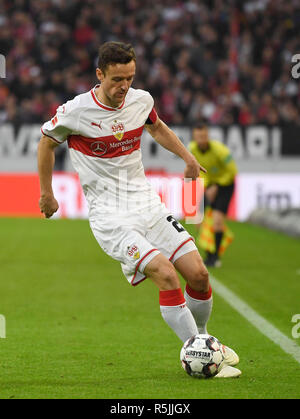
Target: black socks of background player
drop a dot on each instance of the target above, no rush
(218, 241)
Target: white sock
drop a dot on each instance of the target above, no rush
(176, 314)
(200, 305)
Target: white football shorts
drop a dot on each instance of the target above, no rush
(135, 239)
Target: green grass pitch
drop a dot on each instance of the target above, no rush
(76, 329)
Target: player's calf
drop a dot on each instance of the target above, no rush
(194, 272)
(172, 303)
(198, 279)
(198, 292)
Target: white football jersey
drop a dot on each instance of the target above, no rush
(104, 145)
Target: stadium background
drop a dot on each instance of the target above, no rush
(228, 61)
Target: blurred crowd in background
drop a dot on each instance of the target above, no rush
(227, 61)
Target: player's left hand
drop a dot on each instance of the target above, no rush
(193, 169)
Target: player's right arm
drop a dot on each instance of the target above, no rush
(55, 132)
(46, 159)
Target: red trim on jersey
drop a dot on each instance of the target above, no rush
(138, 282)
(137, 267)
(171, 298)
(107, 146)
(107, 108)
(153, 116)
(179, 247)
(52, 138)
(198, 295)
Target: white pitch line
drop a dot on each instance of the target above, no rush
(266, 328)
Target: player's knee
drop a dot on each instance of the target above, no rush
(199, 278)
(168, 278)
(165, 277)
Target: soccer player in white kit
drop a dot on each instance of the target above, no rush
(103, 129)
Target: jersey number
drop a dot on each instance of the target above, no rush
(175, 224)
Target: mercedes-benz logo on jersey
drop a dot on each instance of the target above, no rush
(98, 148)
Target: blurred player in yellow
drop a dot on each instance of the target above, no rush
(218, 182)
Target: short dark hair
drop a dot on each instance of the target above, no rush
(201, 124)
(115, 53)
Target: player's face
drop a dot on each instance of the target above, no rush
(116, 81)
(201, 137)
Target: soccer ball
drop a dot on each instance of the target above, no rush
(201, 356)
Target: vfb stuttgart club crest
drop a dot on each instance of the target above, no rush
(118, 130)
(133, 251)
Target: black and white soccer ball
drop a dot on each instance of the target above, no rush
(201, 356)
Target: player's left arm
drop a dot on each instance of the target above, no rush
(164, 136)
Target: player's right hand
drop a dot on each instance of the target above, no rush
(48, 205)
